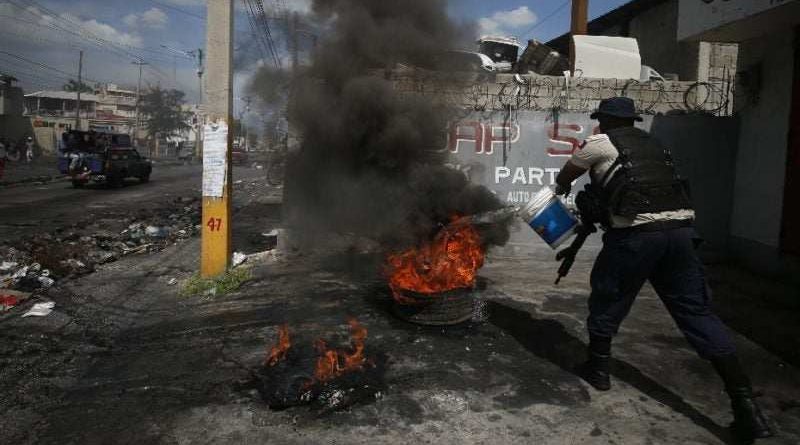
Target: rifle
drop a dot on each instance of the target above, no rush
(567, 256)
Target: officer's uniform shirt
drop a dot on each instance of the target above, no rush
(597, 154)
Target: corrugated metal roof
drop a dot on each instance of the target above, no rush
(65, 95)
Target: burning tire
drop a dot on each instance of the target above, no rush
(442, 309)
(433, 284)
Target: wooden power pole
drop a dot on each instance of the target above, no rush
(218, 138)
(580, 17)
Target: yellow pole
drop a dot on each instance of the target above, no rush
(215, 248)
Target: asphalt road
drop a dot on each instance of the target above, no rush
(125, 359)
(30, 209)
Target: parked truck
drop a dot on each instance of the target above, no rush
(89, 156)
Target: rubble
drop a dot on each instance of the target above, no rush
(238, 258)
(40, 310)
(37, 262)
(10, 298)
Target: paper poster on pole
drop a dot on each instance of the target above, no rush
(215, 149)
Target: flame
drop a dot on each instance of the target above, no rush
(332, 363)
(450, 261)
(278, 352)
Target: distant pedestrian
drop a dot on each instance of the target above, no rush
(29, 149)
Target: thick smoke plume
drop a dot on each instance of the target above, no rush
(371, 162)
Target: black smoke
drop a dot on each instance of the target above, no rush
(371, 161)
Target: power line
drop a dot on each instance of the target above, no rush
(548, 17)
(32, 71)
(28, 36)
(30, 77)
(182, 11)
(261, 30)
(251, 18)
(44, 65)
(268, 33)
(57, 22)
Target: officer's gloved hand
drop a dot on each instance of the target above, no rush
(561, 190)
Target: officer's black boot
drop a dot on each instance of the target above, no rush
(748, 421)
(597, 368)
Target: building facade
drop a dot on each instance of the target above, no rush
(654, 23)
(765, 218)
(51, 113)
(116, 109)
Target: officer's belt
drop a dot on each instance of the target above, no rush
(657, 226)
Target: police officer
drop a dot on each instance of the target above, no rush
(649, 235)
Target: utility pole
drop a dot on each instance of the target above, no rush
(295, 41)
(138, 96)
(80, 85)
(200, 74)
(580, 17)
(215, 245)
(198, 54)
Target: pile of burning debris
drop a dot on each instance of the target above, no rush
(35, 262)
(325, 378)
(434, 283)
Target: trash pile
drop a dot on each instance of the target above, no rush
(13, 275)
(37, 261)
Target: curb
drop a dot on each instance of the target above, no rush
(33, 180)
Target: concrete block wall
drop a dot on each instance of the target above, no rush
(514, 137)
(723, 59)
(531, 92)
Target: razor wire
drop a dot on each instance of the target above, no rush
(550, 93)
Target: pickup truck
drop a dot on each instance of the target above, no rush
(101, 157)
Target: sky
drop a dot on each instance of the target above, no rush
(40, 40)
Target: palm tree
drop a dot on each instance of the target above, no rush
(73, 86)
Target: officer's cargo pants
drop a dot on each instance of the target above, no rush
(668, 259)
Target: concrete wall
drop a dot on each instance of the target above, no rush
(705, 149)
(655, 31)
(698, 17)
(761, 160)
(15, 127)
(722, 56)
(516, 156)
(545, 93)
(11, 99)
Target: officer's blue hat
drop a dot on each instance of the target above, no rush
(618, 107)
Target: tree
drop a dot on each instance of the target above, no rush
(163, 113)
(74, 86)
